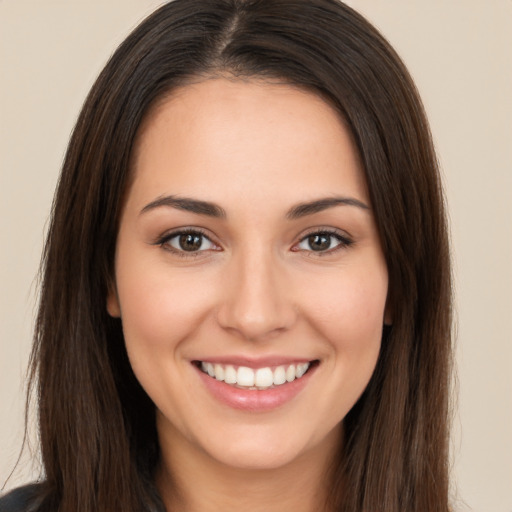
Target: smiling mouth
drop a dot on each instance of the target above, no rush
(243, 377)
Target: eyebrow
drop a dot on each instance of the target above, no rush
(213, 210)
(319, 205)
(187, 204)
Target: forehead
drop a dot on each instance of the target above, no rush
(220, 138)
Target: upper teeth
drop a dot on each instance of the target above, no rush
(261, 378)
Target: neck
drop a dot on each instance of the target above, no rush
(190, 480)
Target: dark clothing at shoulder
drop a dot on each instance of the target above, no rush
(21, 499)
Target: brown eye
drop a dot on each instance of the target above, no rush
(319, 242)
(323, 241)
(190, 242)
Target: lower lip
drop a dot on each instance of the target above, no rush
(254, 400)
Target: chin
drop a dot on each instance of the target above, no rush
(268, 449)
(256, 456)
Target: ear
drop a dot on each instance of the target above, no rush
(113, 308)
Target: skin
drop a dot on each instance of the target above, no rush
(254, 289)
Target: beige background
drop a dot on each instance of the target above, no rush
(459, 51)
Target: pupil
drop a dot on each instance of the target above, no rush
(190, 242)
(319, 242)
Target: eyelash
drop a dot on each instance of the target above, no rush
(343, 239)
(164, 240)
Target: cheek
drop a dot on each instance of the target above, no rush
(349, 316)
(348, 308)
(160, 312)
(160, 309)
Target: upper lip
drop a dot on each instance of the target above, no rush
(256, 362)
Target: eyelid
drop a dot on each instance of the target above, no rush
(344, 238)
(163, 240)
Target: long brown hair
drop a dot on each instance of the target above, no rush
(97, 426)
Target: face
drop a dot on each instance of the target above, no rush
(249, 276)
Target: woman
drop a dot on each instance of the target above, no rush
(246, 286)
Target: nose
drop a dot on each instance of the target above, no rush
(257, 303)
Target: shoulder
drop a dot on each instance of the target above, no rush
(19, 500)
